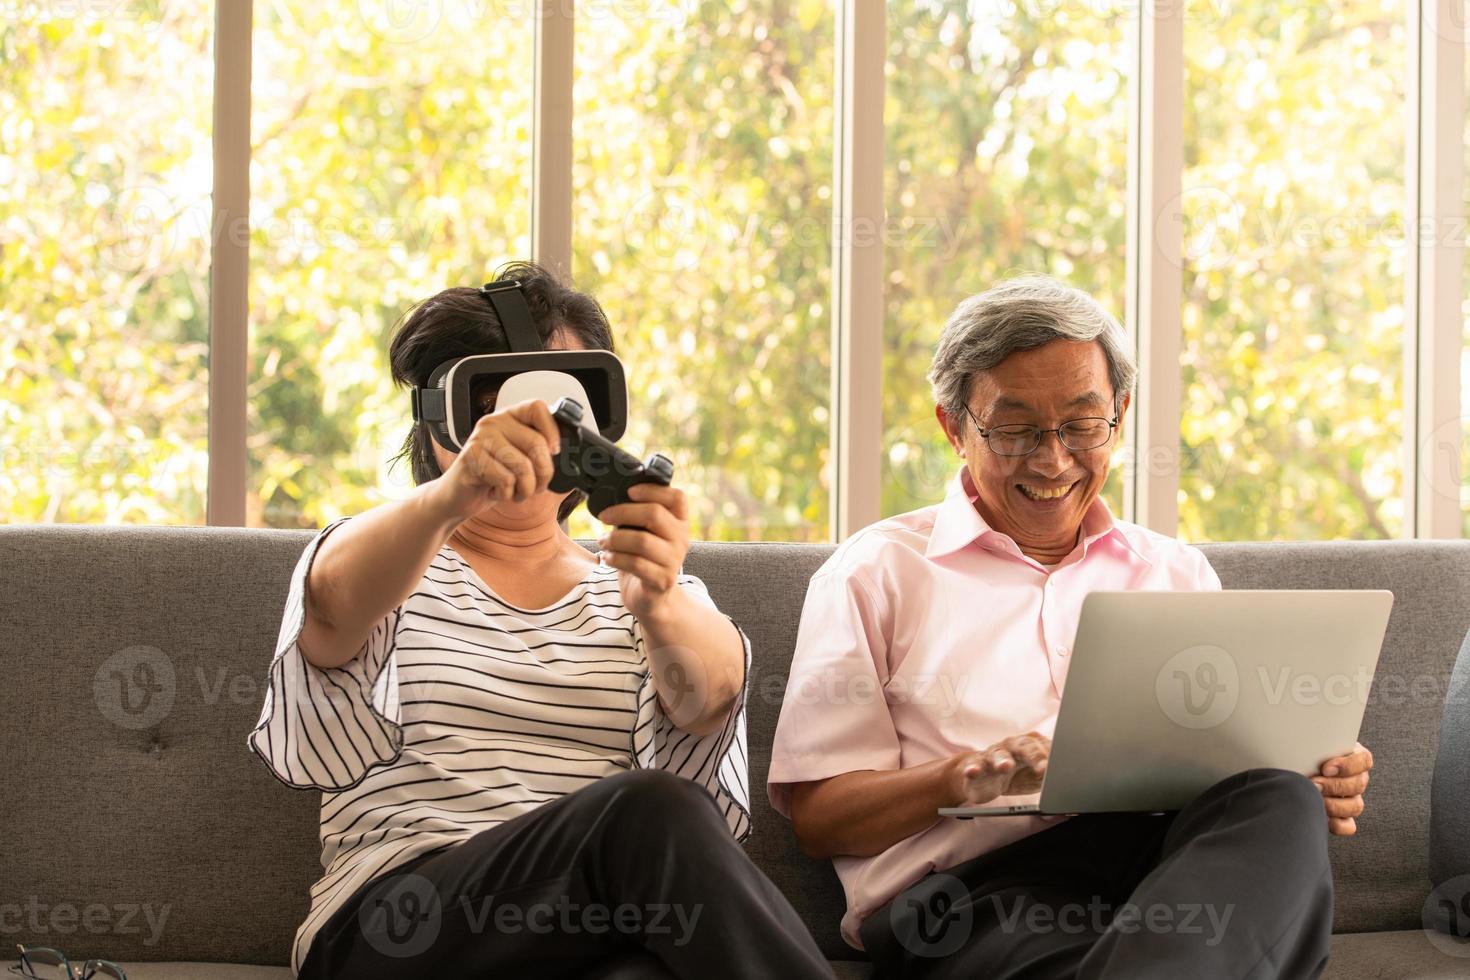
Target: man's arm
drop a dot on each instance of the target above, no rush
(865, 813)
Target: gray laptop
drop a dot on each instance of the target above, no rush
(1170, 692)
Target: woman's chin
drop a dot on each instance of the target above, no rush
(538, 509)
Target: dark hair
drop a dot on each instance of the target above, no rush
(460, 322)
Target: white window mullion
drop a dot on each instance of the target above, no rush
(1155, 263)
(857, 268)
(1434, 268)
(229, 265)
(551, 150)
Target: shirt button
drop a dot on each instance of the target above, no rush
(1062, 651)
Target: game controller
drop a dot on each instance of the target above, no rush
(595, 465)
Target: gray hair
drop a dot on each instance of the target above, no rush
(1021, 314)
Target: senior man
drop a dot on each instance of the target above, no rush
(930, 663)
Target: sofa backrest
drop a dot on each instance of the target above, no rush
(1449, 844)
(138, 826)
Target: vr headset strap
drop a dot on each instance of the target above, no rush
(515, 315)
(428, 405)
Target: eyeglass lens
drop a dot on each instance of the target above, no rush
(44, 963)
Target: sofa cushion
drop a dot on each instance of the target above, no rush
(135, 799)
(1381, 875)
(1403, 955)
(762, 587)
(1450, 795)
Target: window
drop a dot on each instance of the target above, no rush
(1007, 152)
(1293, 192)
(391, 156)
(390, 160)
(702, 209)
(105, 178)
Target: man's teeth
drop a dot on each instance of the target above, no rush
(1038, 493)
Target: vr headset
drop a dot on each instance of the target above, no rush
(450, 403)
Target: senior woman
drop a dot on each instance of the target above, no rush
(532, 759)
(1032, 382)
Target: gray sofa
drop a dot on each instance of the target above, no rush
(144, 831)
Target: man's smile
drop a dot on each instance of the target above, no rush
(1037, 492)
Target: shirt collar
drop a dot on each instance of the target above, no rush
(959, 524)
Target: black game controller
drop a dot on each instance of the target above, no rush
(595, 465)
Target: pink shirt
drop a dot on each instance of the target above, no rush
(929, 634)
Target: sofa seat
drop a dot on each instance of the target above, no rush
(1407, 955)
(187, 807)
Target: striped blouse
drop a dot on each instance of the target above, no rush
(462, 712)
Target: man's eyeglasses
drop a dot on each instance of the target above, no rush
(1077, 435)
(45, 963)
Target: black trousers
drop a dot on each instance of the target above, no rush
(1235, 885)
(635, 876)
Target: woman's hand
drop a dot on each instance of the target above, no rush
(507, 457)
(647, 546)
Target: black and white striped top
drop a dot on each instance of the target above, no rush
(462, 712)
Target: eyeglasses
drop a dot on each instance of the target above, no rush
(1077, 435)
(45, 963)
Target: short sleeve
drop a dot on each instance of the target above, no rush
(327, 728)
(717, 761)
(834, 718)
(1208, 580)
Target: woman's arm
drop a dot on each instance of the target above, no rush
(372, 563)
(698, 662)
(367, 567)
(695, 652)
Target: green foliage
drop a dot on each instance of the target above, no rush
(1293, 287)
(104, 263)
(391, 158)
(1008, 130)
(1007, 147)
(702, 188)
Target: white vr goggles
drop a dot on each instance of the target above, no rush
(449, 404)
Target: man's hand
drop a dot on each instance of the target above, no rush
(1011, 767)
(649, 548)
(1342, 783)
